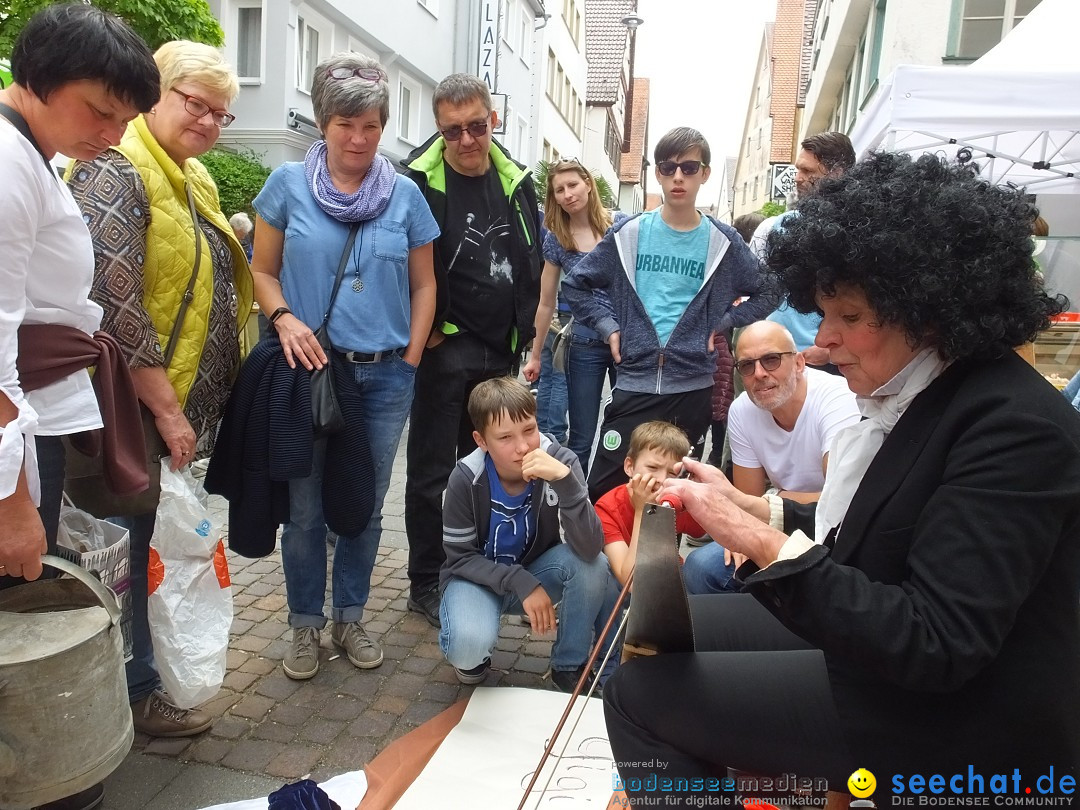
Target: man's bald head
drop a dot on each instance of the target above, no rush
(777, 334)
(766, 340)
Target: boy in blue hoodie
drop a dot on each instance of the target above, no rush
(507, 508)
(672, 276)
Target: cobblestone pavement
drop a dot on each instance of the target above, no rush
(270, 730)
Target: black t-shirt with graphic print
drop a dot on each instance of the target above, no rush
(475, 247)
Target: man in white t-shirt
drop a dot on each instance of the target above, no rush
(779, 429)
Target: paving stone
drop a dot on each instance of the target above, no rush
(385, 593)
(513, 631)
(242, 600)
(221, 702)
(405, 685)
(539, 649)
(289, 715)
(390, 704)
(372, 724)
(274, 732)
(341, 707)
(424, 710)
(508, 644)
(209, 750)
(313, 694)
(444, 674)
(272, 601)
(376, 603)
(250, 643)
(243, 578)
(240, 626)
(255, 614)
(440, 692)
(402, 639)
(321, 731)
(277, 650)
(346, 754)
(428, 649)
(230, 728)
(528, 663)
(364, 684)
(295, 762)
(240, 681)
(169, 746)
(277, 686)
(377, 627)
(234, 658)
(395, 653)
(259, 665)
(253, 707)
(268, 630)
(251, 755)
(501, 659)
(418, 665)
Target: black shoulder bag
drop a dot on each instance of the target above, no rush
(326, 417)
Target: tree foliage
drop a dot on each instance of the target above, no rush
(772, 209)
(239, 177)
(603, 188)
(156, 21)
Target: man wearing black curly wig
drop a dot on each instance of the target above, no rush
(921, 622)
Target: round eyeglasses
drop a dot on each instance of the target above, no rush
(769, 362)
(199, 108)
(366, 73)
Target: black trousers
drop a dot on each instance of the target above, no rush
(692, 411)
(51, 457)
(440, 433)
(754, 697)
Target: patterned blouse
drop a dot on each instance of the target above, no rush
(117, 212)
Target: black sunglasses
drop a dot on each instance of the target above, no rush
(769, 362)
(689, 167)
(478, 129)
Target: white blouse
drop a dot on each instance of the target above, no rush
(46, 268)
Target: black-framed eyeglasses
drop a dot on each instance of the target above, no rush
(688, 167)
(199, 108)
(769, 362)
(477, 129)
(368, 74)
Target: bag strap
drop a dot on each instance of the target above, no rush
(341, 271)
(189, 293)
(17, 121)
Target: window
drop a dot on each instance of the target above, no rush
(506, 11)
(875, 44)
(524, 37)
(249, 42)
(408, 110)
(551, 67)
(307, 39)
(983, 23)
(522, 150)
(430, 5)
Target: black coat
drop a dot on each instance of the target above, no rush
(266, 440)
(948, 609)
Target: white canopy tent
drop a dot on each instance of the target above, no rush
(1015, 113)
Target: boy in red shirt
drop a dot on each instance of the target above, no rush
(655, 450)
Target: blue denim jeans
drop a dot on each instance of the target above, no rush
(588, 362)
(705, 571)
(386, 391)
(551, 395)
(141, 670)
(586, 590)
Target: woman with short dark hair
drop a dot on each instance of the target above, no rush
(923, 618)
(378, 325)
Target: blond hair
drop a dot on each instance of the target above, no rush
(663, 437)
(558, 221)
(184, 61)
(501, 395)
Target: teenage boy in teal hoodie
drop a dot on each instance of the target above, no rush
(673, 277)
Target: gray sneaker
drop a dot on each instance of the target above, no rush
(302, 662)
(353, 639)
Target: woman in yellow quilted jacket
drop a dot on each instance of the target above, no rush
(159, 233)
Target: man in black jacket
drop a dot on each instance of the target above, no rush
(487, 264)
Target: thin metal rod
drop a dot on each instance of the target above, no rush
(573, 728)
(577, 689)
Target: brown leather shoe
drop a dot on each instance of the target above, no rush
(156, 716)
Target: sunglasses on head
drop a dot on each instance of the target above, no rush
(769, 362)
(366, 73)
(689, 167)
(477, 129)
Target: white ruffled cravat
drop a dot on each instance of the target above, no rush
(854, 447)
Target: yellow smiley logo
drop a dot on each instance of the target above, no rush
(861, 783)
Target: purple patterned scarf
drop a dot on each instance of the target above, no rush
(367, 202)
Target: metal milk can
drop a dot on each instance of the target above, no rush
(65, 722)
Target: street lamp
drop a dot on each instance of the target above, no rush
(632, 22)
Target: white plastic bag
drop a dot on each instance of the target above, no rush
(190, 597)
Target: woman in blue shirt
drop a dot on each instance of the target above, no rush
(379, 324)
